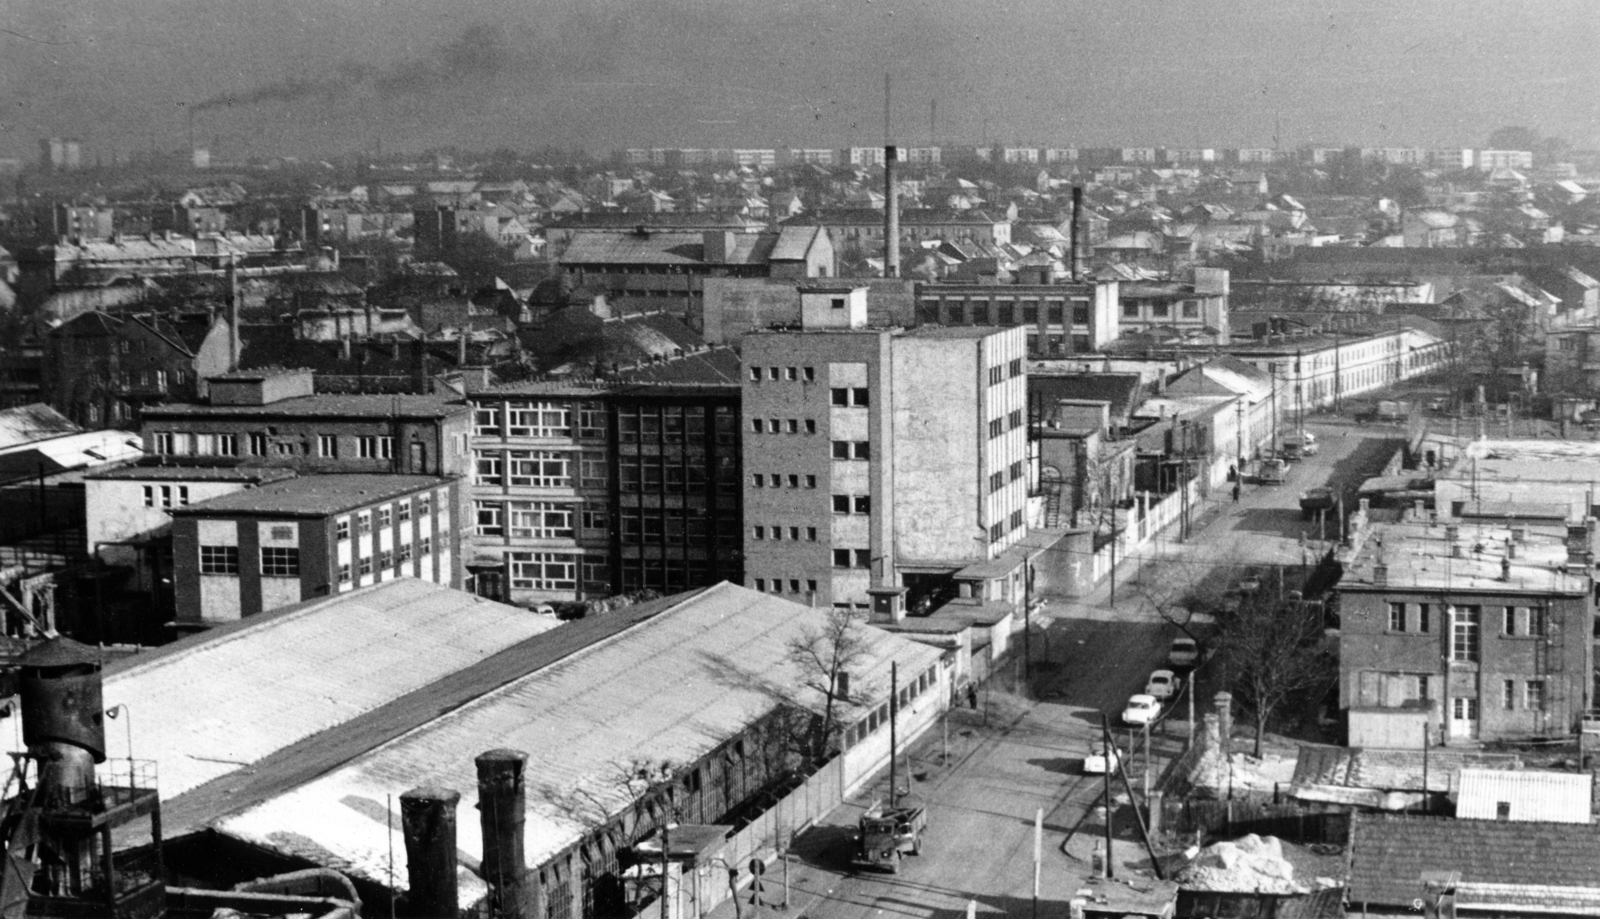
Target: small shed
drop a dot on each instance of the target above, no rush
(1525, 795)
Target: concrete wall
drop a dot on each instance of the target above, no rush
(115, 510)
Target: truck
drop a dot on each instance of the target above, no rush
(1297, 445)
(1273, 471)
(887, 833)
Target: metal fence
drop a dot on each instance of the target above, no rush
(1229, 819)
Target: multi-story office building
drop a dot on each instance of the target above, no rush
(878, 461)
(582, 492)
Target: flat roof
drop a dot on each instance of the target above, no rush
(1523, 461)
(195, 474)
(1422, 555)
(326, 405)
(313, 495)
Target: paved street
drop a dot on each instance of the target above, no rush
(1013, 757)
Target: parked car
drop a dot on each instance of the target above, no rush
(1142, 708)
(1099, 763)
(1163, 684)
(1274, 471)
(1183, 653)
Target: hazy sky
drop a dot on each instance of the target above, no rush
(308, 76)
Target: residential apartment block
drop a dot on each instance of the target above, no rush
(878, 461)
(262, 548)
(1478, 629)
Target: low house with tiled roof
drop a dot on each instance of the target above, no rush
(1406, 866)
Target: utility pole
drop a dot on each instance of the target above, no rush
(1105, 793)
(1299, 400)
(894, 709)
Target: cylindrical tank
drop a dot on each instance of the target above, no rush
(61, 701)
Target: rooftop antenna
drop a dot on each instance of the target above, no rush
(933, 121)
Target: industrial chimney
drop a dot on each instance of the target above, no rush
(234, 344)
(428, 819)
(891, 214)
(1076, 242)
(502, 810)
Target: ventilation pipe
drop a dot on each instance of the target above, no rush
(502, 809)
(428, 820)
(891, 214)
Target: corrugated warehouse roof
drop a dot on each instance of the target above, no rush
(218, 702)
(671, 687)
(1548, 797)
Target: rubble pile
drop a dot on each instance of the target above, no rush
(1253, 864)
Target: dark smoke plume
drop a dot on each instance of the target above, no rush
(477, 54)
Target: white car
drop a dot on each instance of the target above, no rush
(1142, 709)
(1184, 653)
(1163, 684)
(1097, 763)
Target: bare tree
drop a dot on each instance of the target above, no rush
(1184, 590)
(829, 658)
(1273, 649)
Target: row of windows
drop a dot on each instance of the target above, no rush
(386, 560)
(852, 558)
(543, 570)
(673, 524)
(182, 443)
(776, 533)
(852, 504)
(777, 585)
(387, 514)
(998, 530)
(276, 561)
(792, 374)
(998, 480)
(999, 374)
(530, 468)
(998, 426)
(1533, 695)
(1056, 345)
(1159, 309)
(911, 690)
(1515, 621)
(527, 519)
(779, 425)
(852, 450)
(851, 397)
(775, 480)
(537, 419)
(166, 495)
(983, 313)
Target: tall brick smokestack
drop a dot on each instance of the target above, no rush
(502, 810)
(235, 344)
(1077, 241)
(891, 215)
(428, 820)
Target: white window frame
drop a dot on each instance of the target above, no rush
(539, 520)
(543, 570)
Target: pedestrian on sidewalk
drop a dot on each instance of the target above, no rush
(1235, 492)
(972, 696)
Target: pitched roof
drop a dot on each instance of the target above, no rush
(31, 423)
(217, 703)
(711, 366)
(669, 683)
(1553, 865)
(1122, 390)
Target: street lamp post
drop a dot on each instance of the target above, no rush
(121, 708)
